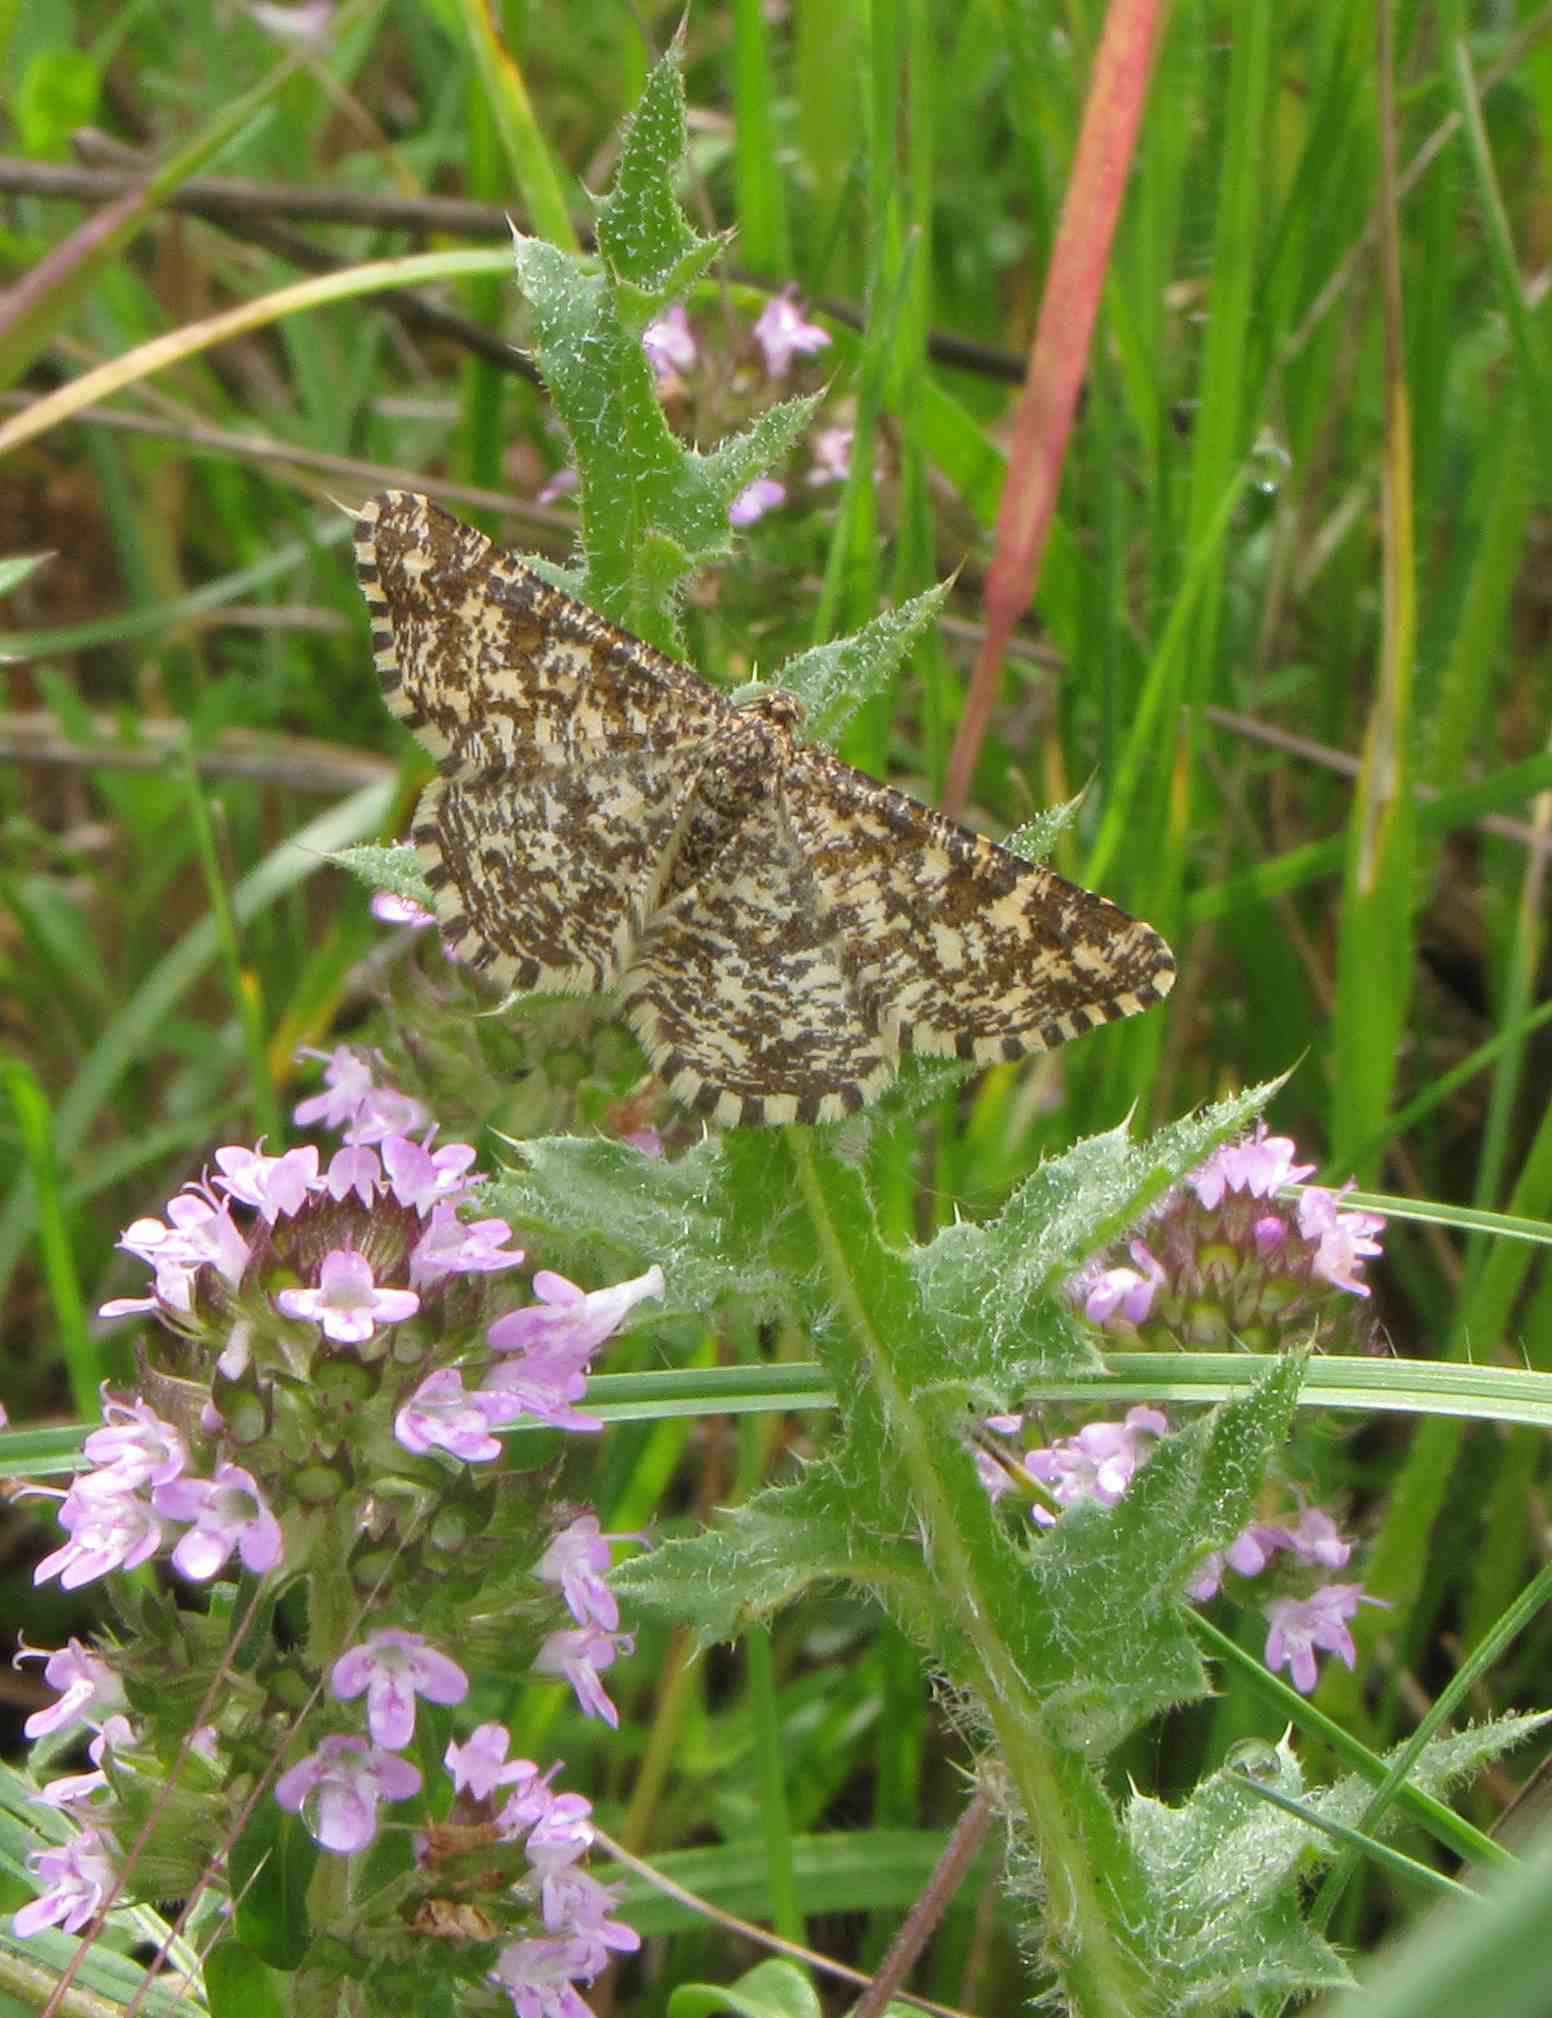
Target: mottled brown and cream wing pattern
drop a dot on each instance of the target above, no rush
(741, 990)
(566, 751)
(779, 926)
(959, 948)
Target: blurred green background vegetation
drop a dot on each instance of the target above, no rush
(1289, 644)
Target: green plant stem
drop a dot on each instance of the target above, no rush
(243, 984)
(35, 1126)
(1084, 1858)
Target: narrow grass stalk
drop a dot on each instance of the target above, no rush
(37, 1128)
(764, 237)
(1375, 964)
(1471, 1672)
(32, 312)
(146, 359)
(1441, 1822)
(522, 139)
(242, 983)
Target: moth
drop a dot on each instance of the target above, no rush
(779, 927)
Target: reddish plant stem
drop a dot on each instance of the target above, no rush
(1058, 356)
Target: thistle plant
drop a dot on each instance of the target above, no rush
(328, 1550)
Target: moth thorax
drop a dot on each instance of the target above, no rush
(781, 710)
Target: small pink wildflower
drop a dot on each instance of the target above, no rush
(90, 1690)
(782, 333)
(140, 1448)
(831, 455)
(354, 1106)
(758, 498)
(347, 1303)
(569, 1319)
(228, 1512)
(443, 1415)
(480, 1766)
(109, 1529)
(79, 1877)
(337, 1788)
(1261, 1166)
(1344, 1239)
(577, 1560)
(454, 1246)
(670, 345)
(1300, 1625)
(277, 1186)
(395, 1667)
(578, 1653)
(390, 909)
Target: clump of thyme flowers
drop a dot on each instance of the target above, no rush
(312, 1448)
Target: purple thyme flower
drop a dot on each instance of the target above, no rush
(90, 1690)
(229, 1512)
(354, 1172)
(276, 1185)
(782, 333)
(755, 500)
(80, 1878)
(832, 455)
(480, 1766)
(443, 1415)
(530, 1801)
(576, 1904)
(201, 1235)
(390, 909)
(1299, 1625)
(1261, 1166)
(578, 1653)
(1123, 1292)
(140, 1449)
(452, 1246)
(670, 345)
(539, 1975)
(347, 1303)
(354, 1106)
(1225, 1260)
(422, 1177)
(1247, 1555)
(577, 1560)
(394, 1667)
(1344, 1239)
(1097, 1463)
(562, 1834)
(109, 1529)
(542, 1382)
(80, 1790)
(336, 1790)
(570, 1320)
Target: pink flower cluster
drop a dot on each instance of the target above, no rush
(138, 1491)
(1222, 1257)
(556, 1830)
(1099, 1462)
(381, 1165)
(339, 1787)
(277, 1265)
(1224, 1260)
